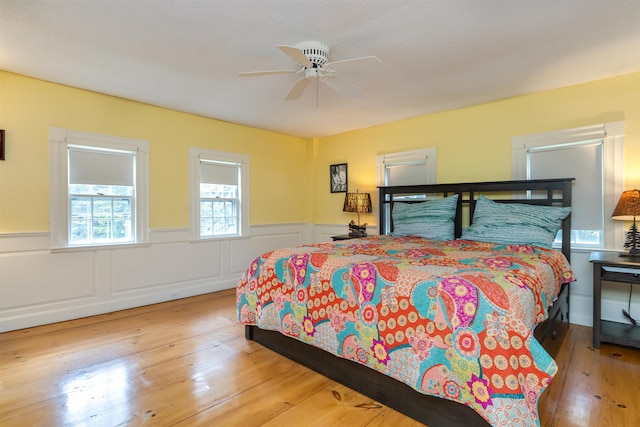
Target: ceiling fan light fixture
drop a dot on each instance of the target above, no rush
(310, 73)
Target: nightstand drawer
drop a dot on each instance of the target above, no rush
(620, 274)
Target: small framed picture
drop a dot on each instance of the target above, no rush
(1, 144)
(338, 176)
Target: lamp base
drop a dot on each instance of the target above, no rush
(633, 241)
(630, 254)
(634, 251)
(356, 230)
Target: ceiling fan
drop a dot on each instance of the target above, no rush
(312, 59)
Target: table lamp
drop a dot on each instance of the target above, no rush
(357, 202)
(628, 209)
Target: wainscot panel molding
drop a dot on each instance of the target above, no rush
(38, 286)
(26, 278)
(169, 235)
(580, 290)
(19, 242)
(165, 264)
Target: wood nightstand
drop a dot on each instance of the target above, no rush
(611, 267)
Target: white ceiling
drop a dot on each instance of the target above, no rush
(436, 55)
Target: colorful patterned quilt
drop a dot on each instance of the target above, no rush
(451, 319)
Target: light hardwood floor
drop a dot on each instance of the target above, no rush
(186, 362)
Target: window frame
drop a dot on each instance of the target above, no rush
(196, 154)
(59, 141)
(426, 156)
(612, 135)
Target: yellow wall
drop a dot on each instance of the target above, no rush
(474, 143)
(28, 107)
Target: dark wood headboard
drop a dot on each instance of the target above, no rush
(545, 192)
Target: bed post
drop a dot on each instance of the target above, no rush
(382, 206)
(566, 224)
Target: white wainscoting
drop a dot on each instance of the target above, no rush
(38, 286)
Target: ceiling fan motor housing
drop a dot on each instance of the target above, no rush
(317, 52)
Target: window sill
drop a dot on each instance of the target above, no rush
(106, 246)
(218, 238)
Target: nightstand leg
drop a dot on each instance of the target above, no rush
(597, 292)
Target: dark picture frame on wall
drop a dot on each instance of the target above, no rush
(338, 178)
(1, 144)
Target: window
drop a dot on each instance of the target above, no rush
(593, 156)
(407, 167)
(101, 195)
(98, 189)
(219, 193)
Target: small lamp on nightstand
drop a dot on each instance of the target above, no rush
(357, 202)
(628, 209)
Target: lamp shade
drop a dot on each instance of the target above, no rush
(628, 207)
(357, 202)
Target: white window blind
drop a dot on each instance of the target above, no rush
(406, 174)
(407, 167)
(582, 161)
(101, 167)
(218, 173)
(593, 155)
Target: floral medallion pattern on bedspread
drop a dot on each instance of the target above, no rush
(451, 319)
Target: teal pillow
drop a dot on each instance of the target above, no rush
(515, 223)
(430, 220)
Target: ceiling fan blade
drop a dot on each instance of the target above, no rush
(297, 89)
(297, 55)
(342, 87)
(265, 73)
(346, 64)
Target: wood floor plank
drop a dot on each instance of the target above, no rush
(74, 366)
(259, 404)
(602, 386)
(332, 402)
(186, 362)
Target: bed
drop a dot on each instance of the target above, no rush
(432, 317)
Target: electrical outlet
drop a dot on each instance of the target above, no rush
(174, 295)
